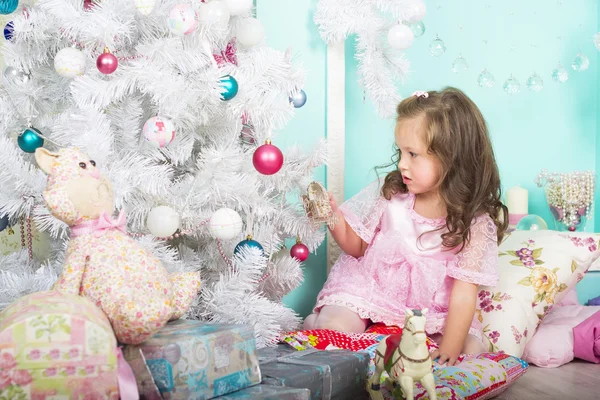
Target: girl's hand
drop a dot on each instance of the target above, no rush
(448, 353)
(332, 202)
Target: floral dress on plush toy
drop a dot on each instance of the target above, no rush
(104, 264)
(405, 265)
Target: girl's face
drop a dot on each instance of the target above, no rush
(420, 170)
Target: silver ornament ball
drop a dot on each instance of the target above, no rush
(298, 99)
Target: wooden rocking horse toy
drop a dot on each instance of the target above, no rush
(405, 358)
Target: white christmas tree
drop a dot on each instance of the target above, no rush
(383, 29)
(117, 79)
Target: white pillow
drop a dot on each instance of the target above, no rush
(537, 269)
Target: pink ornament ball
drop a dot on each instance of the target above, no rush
(267, 159)
(107, 63)
(299, 251)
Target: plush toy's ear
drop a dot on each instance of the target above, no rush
(45, 159)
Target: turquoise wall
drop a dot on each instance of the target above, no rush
(553, 129)
(290, 23)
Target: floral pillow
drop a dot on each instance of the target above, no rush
(537, 269)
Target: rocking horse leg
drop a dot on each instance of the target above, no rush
(428, 382)
(406, 383)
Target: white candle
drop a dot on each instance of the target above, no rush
(517, 200)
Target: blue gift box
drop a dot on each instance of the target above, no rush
(268, 392)
(194, 360)
(328, 374)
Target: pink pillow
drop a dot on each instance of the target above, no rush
(552, 344)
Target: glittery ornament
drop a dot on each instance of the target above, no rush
(512, 85)
(69, 62)
(486, 79)
(560, 74)
(107, 63)
(437, 47)
(580, 63)
(267, 159)
(459, 65)
(30, 140)
(249, 243)
(535, 83)
(229, 87)
(225, 224)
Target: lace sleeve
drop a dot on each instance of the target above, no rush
(363, 211)
(478, 261)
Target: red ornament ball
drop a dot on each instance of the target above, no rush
(299, 251)
(267, 159)
(107, 63)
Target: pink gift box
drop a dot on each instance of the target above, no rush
(55, 345)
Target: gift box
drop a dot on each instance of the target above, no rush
(195, 360)
(268, 392)
(55, 345)
(332, 374)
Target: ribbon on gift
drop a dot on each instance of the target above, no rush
(128, 389)
(294, 358)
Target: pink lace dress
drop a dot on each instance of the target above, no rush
(399, 270)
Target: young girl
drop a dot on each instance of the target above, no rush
(428, 237)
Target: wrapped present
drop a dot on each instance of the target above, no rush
(333, 374)
(55, 345)
(268, 392)
(195, 360)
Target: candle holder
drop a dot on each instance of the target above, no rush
(570, 197)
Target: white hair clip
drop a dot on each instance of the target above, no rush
(420, 93)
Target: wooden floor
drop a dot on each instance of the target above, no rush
(575, 380)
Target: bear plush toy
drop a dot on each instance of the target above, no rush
(103, 263)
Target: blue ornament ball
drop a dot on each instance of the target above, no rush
(298, 99)
(532, 222)
(9, 31)
(8, 6)
(230, 87)
(30, 140)
(3, 222)
(248, 242)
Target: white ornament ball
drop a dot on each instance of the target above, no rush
(69, 62)
(145, 7)
(418, 12)
(215, 12)
(163, 221)
(400, 37)
(250, 33)
(182, 19)
(159, 131)
(238, 7)
(225, 224)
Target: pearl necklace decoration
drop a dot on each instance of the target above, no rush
(569, 195)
